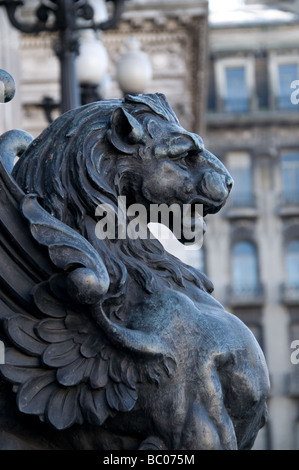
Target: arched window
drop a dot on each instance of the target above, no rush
(292, 264)
(244, 268)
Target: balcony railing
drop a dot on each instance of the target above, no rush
(242, 199)
(283, 102)
(241, 204)
(291, 197)
(243, 296)
(289, 203)
(236, 105)
(290, 294)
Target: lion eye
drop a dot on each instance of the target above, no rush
(180, 160)
(184, 155)
(179, 156)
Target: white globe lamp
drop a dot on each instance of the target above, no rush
(92, 63)
(133, 68)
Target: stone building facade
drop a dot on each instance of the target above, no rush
(252, 125)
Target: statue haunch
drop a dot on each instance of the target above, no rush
(114, 343)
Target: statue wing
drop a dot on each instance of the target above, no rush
(61, 363)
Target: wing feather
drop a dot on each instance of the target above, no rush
(20, 329)
(33, 395)
(63, 408)
(60, 362)
(53, 330)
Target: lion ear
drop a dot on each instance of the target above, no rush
(125, 131)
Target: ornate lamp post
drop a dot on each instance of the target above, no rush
(68, 18)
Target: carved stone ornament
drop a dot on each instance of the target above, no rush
(112, 343)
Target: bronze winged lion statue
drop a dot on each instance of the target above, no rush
(113, 343)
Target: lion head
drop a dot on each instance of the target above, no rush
(135, 148)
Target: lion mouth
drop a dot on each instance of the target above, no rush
(208, 205)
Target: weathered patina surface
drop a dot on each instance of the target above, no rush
(115, 343)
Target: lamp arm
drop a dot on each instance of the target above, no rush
(12, 5)
(118, 9)
(11, 8)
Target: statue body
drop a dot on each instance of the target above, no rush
(115, 343)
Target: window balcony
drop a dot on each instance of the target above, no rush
(236, 105)
(283, 102)
(243, 199)
(246, 296)
(291, 198)
(219, 119)
(241, 205)
(290, 294)
(289, 203)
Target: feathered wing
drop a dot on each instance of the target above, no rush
(61, 363)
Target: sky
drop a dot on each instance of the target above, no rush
(224, 4)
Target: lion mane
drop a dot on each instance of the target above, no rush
(74, 166)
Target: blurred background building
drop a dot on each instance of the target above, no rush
(252, 125)
(231, 76)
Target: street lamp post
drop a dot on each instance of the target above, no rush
(64, 17)
(67, 48)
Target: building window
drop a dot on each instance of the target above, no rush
(287, 73)
(290, 177)
(283, 70)
(292, 265)
(237, 96)
(240, 167)
(234, 83)
(245, 269)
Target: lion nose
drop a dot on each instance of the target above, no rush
(217, 186)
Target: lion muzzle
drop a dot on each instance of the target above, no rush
(216, 186)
